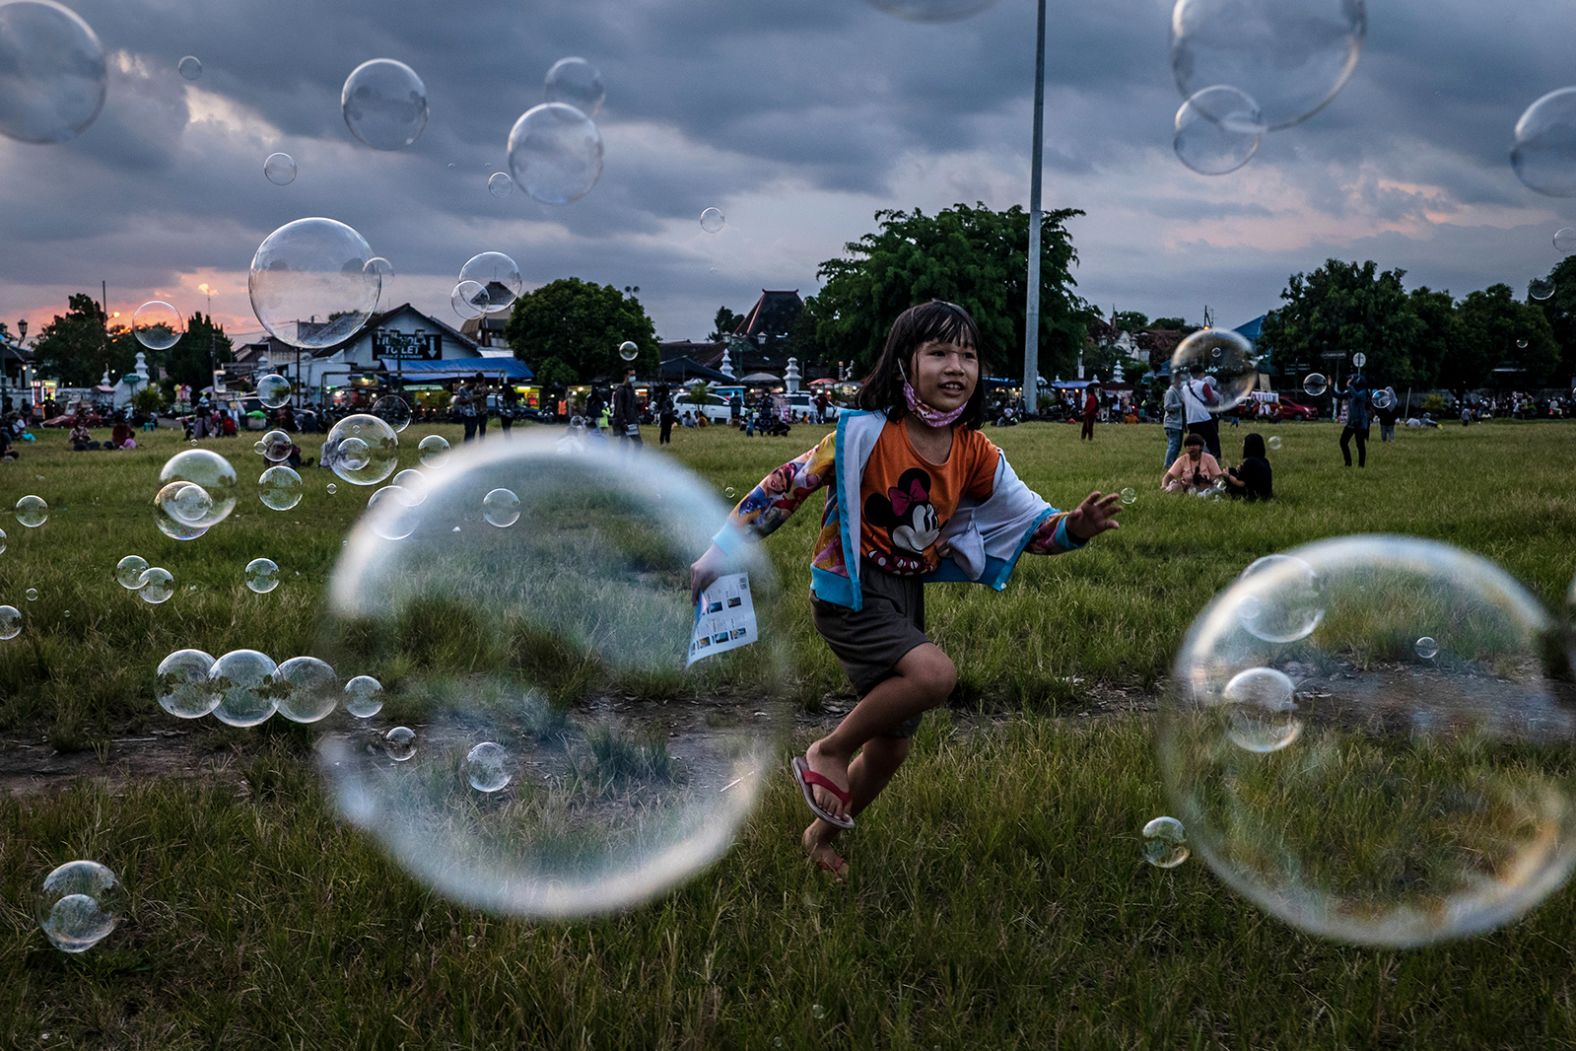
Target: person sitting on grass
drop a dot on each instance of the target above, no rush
(1192, 472)
(915, 493)
(122, 436)
(81, 438)
(1252, 479)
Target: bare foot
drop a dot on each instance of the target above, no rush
(819, 850)
(835, 768)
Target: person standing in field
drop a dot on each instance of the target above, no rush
(1198, 398)
(1091, 412)
(626, 409)
(1171, 422)
(465, 406)
(1357, 419)
(915, 493)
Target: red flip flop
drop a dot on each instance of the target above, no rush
(805, 778)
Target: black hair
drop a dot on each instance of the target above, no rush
(1193, 439)
(1253, 445)
(936, 321)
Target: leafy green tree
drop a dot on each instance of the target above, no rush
(972, 256)
(569, 331)
(1441, 357)
(77, 347)
(201, 348)
(1171, 324)
(1349, 308)
(805, 343)
(1506, 333)
(1560, 309)
(726, 321)
(1131, 321)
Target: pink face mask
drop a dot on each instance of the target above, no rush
(931, 417)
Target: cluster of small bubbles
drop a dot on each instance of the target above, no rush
(363, 697)
(53, 67)
(712, 220)
(247, 687)
(576, 82)
(190, 67)
(932, 10)
(499, 184)
(384, 103)
(1165, 843)
(79, 905)
(487, 767)
(156, 325)
(1314, 384)
(413, 482)
(279, 169)
(1565, 240)
(400, 743)
(394, 411)
(431, 449)
(1217, 367)
(1292, 57)
(31, 594)
(1274, 441)
(388, 512)
(309, 689)
(501, 508)
(361, 449)
(280, 488)
(262, 575)
(1544, 154)
(213, 479)
(10, 622)
(183, 687)
(1427, 648)
(1540, 288)
(1315, 758)
(1217, 130)
(500, 279)
(469, 299)
(1129, 496)
(273, 391)
(32, 511)
(129, 570)
(313, 268)
(156, 585)
(555, 153)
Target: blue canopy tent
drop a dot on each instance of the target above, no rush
(512, 369)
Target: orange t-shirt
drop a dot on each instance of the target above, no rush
(906, 500)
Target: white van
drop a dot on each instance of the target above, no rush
(802, 405)
(715, 409)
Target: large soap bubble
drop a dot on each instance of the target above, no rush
(613, 771)
(247, 686)
(1290, 56)
(1544, 154)
(156, 325)
(385, 104)
(577, 83)
(932, 10)
(1354, 788)
(78, 906)
(183, 687)
(309, 283)
(499, 277)
(361, 449)
(555, 153)
(309, 689)
(216, 489)
(1217, 131)
(52, 71)
(1217, 366)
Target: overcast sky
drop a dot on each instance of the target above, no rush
(799, 120)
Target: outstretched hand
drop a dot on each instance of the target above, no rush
(1094, 516)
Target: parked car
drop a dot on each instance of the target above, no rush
(802, 405)
(712, 407)
(1290, 410)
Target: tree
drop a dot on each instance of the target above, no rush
(726, 321)
(975, 257)
(1501, 332)
(1172, 324)
(1560, 310)
(1440, 356)
(201, 348)
(569, 331)
(1347, 308)
(78, 347)
(1130, 321)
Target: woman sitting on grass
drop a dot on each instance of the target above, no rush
(1252, 479)
(1192, 472)
(916, 493)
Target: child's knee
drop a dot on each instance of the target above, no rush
(934, 671)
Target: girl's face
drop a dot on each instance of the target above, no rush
(1195, 451)
(945, 374)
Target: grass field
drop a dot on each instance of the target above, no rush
(999, 898)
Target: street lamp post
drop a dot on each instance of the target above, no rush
(1031, 319)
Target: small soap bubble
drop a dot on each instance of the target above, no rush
(362, 449)
(309, 689)
(10, 622)
(190, 67)
(215, 478)
(1286, 604)
(389, 512)
(712, 220)
(247, 686)
(487, 767)
(280, 488)
(1540, 288)
(32, 594)
(1129, 496)
(363, 697)
(499, 184)
(1261, 710)
(156, 586)
(262, 575)
(413, 482)
(184, 504)
(1565, 240)
(128, 572)
(555, 153)
(394, 411)
(1315, 384)
(577, 83)
(384, 104)
(273, 391)
(628, 350)
(499, 277)
(332, 488)
(730, 492)
(279, 169)
(32, 511)
(2, 541)
(78, 906)
(183, 687)
(1427, 648)
(1165, 843)
(431, 448)
(400, 743)
(1217, 131)
(1383, 399)
(501, 508)
(156, 325)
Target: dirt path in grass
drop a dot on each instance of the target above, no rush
(32, 767)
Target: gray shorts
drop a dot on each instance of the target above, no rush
(869, 642)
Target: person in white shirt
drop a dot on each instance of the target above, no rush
(1199, 398)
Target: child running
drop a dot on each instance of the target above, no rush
(915, 493)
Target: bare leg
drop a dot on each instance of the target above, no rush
(923, 679)
(868, 774)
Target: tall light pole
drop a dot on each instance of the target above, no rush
(1031, 320)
